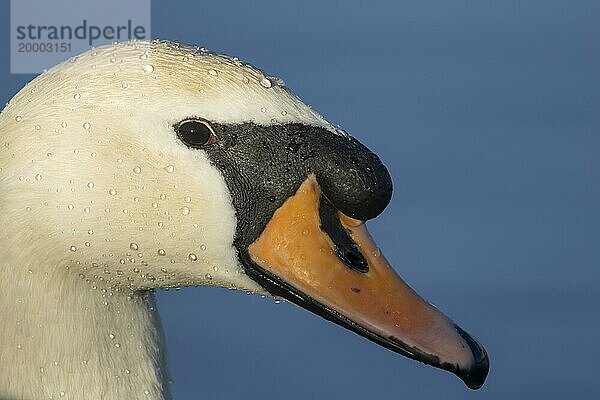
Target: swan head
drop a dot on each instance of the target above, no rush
(147, 165)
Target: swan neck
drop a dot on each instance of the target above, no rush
(64, 336)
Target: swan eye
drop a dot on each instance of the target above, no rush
(195, 133)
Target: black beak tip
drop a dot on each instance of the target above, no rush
(475, 376)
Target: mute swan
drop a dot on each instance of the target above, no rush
(146, 165)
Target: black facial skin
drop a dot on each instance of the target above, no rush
(265, 165)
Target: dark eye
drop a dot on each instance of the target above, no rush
(195, 133)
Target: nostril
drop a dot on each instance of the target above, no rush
(353, 259)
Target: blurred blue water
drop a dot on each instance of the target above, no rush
(487, 115)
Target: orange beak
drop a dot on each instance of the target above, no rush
(295, 254)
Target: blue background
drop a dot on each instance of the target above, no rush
(487, 115)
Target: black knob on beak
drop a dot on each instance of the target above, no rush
(352, 178)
